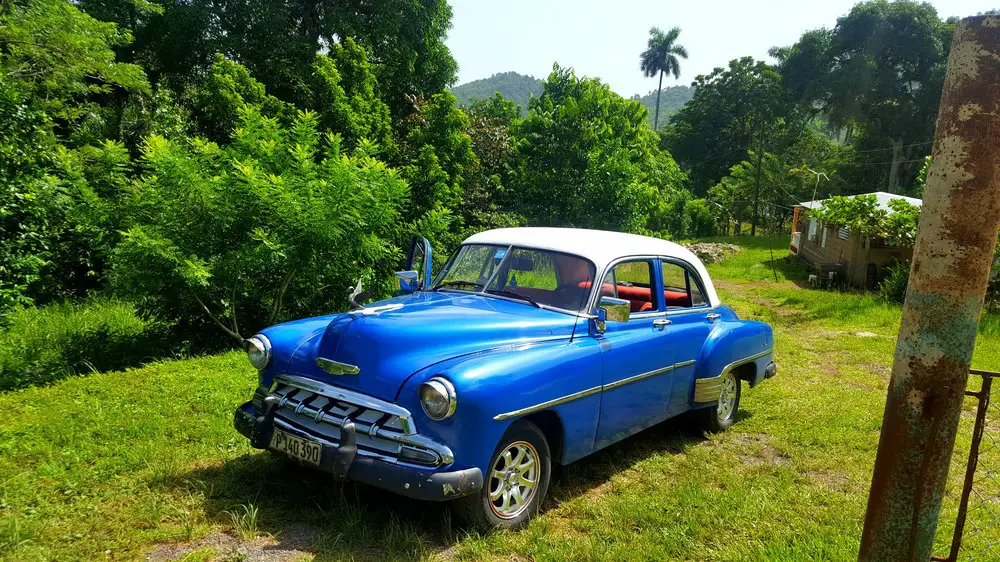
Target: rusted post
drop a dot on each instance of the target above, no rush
(951, 264)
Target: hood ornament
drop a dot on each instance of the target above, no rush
(358, 293)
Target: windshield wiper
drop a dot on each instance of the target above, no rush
(514, 294)
(457, 283)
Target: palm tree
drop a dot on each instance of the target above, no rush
(660, 57)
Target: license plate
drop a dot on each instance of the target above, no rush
(296, 447)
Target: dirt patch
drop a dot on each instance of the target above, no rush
(292, 544)
(757, 450)
(831, 480)
(709, 252)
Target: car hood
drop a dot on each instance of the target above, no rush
(411, 332)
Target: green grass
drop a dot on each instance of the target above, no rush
(111, 465)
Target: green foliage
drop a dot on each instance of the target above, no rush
(921, 181)
(59, 58)
(862, 214)
(441, 150)
(44, 344)
(879, 71)
(512, 86)
(277, 225)
(734, 110)
(489, 181)
(227, 89)
(590, 158)
(893, 287)
(343, 94)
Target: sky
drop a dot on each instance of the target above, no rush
(604, 38)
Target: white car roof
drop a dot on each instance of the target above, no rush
(599, 246)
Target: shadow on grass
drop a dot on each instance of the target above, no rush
(345, 519)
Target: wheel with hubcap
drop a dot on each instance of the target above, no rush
(722, 414)
(515, 484)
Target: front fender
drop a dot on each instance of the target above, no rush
(507, 379)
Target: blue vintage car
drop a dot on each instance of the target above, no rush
(532, 346)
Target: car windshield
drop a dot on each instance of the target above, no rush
(538, 277)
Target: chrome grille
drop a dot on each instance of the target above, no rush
(382, 429)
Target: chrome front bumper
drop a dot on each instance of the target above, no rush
(383, 430)
(344, 460)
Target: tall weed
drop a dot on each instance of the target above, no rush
(39, 345)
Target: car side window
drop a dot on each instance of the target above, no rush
(632, 281)
(681, 287)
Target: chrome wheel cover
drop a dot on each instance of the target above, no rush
(513, 480)
(727, 399)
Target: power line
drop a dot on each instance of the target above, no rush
(879, 163)
(891, 148)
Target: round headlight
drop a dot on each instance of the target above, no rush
(258, 351)
(438, 398)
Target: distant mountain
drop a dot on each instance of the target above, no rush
(671, 100)
(511, 85)
(520, 88)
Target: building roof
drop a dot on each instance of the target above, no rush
(882, 197)
(599, 246)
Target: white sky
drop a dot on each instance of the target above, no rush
(604, 38)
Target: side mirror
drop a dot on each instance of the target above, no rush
(610, 309)
(409, 281)
(419, 259)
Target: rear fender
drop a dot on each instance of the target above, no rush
(732, 345)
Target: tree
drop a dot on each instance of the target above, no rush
(589, 158)
(734, 110)
(488, 194)
(659, 58)
(277, 41)
(278, 224)
(438, 150)
(880, 70)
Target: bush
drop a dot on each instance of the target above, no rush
(45, 344)
(893, 286)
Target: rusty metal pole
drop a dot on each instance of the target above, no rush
(951, 265)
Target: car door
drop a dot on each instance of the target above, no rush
(635, 360)
(691, 321)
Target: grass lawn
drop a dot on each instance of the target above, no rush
(125, 465)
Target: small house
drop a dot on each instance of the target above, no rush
(842, 255)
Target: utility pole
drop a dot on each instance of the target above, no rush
(948, 276)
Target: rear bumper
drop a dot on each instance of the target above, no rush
(342, 461)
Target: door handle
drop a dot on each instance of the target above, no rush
(713, 316)
(661, 323)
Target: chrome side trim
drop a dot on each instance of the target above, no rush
(549, 404)
(708, 389)
(739, 362)
(404, 415)
(639, 377)
(590, 391)
(336, 367)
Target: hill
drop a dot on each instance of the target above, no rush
(671, 100)
(519, 88)
(511, 85)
